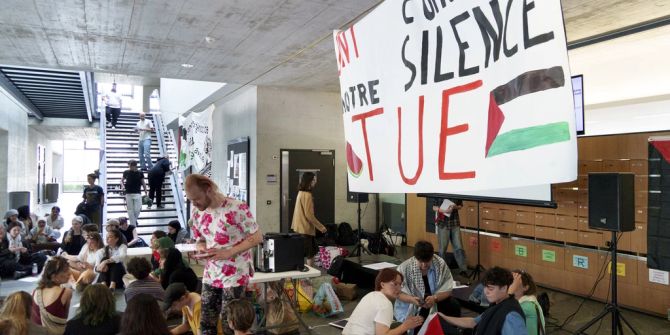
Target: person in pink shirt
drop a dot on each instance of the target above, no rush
(225, 231)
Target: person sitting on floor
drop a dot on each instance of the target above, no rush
(130, 233)
(143, 317)
(176, 232)
(427, 286)
(28, 220)
(109, 261)
(155, 245)
(241, 316)
(140, 268)
(178, 298)
(12, 216)
(523, 288)
(15, 316)
(9, 265)
(82, 266)
(97, 313)
(22, 251)
(42, 234)
(51, 302)
(504, 316)
(73, 240)
(175, 270)
(374, 313)
(55, 221)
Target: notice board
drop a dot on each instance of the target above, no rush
(237, 174)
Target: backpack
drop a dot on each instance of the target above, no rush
(345, 234)
(335, 269)
(543, 301)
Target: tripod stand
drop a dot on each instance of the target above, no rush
(474, 275)
(612, 307)
(360, 248)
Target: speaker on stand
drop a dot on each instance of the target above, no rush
(358, 198)
(611, 208)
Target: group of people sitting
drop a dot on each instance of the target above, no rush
(423, 284)
(154, 289)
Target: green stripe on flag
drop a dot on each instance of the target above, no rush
(530, 137)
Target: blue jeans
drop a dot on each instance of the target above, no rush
(144, 148)
(444, 235)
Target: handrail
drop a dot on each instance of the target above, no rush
(165, 141)
(102, 168)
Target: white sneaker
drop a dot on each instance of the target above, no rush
(113, 127)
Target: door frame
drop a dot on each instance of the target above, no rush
(283, 183)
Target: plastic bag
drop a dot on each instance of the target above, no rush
(281, 314)
(305, 295)
(326, 302)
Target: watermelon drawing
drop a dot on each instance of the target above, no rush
(354, 163)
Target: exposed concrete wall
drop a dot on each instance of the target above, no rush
(298, 119)
(14, 151)
(234, 117)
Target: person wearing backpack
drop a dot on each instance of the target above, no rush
(304, 220)
(523, 288)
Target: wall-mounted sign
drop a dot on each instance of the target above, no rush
(620, 269)
(520, 250)
(581, 262)
(659, 277)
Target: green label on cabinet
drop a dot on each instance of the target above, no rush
(549, 256)
(520, 250)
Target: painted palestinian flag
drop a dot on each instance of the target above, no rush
(529, 137)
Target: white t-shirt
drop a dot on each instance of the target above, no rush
(144, 134)
(374, 307)
(113, 99)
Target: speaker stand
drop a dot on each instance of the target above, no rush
(360, 248)
(613, 306)
(474, 275)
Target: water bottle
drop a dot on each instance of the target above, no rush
(34, 272)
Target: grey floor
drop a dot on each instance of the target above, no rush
(562, 305)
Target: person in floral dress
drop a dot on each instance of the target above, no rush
(225, 232)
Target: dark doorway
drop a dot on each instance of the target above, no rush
(293, 164)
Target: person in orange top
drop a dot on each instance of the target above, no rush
(304, 220)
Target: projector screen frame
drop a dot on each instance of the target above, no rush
(510, 201)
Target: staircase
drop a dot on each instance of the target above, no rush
(120, 147)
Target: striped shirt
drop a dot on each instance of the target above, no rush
(148, 286)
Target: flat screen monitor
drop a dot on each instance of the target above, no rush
(578, 97)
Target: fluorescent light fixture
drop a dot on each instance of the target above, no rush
(187, 66)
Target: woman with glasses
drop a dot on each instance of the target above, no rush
(374, 314)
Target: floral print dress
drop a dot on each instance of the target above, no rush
(225, 227)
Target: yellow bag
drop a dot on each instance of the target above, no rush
(305, 296)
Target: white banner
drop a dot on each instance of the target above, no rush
(198, 146)
(447, 97)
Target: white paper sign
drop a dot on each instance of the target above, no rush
(456, 96)
(659, 277)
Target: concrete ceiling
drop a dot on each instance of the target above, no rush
(280, 43)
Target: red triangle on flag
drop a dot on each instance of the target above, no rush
(664, 148)
(496, 118)
(432, 326)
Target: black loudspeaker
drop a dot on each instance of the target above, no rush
(355, 196)
(611, 201)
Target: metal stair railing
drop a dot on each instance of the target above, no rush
(102, 167)
(165, 143)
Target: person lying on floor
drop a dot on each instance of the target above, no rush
(504, 316)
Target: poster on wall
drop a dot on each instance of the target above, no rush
(196, 150)
(238, 169)
(456, 96)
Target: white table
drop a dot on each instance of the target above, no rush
(146, 251)
(267, 277)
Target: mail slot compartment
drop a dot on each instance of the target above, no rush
(506, 227)
(546, 233)
(566, 222)
(639, 166)
(566, 208)
(568, 236)
(524, 230)
(586, 166)
(547, 220)
(489, 225)
(641, 183)
(641, 214)
(489, 213)
(508, 215)
(593, 239)
(583, 210)
(525, 217)
(616, 165)
(641, 198)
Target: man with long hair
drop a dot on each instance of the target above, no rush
(225, 231)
